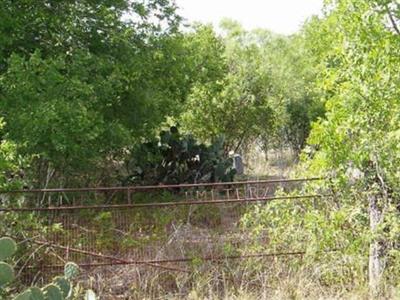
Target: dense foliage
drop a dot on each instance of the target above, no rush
(80, 81)
(356, 147)
(359, 142)
(267, 93)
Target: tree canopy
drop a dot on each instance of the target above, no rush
(83, 81)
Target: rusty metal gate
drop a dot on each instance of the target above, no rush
(126, 232)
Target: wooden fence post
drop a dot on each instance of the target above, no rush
(128, 191)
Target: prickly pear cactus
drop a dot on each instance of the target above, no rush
(52, 292)
(49, 292)
(7, 248)
(36, 294)
(64, 285)
(6, 274)
(60, 289)
(33, 293)
(27, 295)
(71, 270)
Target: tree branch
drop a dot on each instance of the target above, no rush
(393, 21)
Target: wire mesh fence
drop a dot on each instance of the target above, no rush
(112, 232)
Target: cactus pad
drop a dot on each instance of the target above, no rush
(36, 294)
(71, 270)
(63, 284)
(6, 273)
(52, 292)
(27, 295)
(7, 248)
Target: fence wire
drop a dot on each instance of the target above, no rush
(172, 228)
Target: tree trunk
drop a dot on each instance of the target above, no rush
(376, 264)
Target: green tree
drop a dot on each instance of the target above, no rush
(236, 105)
(355, 48)
(80, 82)
(358, 142)
(267, 93)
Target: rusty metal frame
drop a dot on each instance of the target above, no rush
(158, 262)
(116, 260)
(165, 204)
(157, 187)
(111, 260)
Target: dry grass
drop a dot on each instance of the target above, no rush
(278, 163)
(270, 278)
